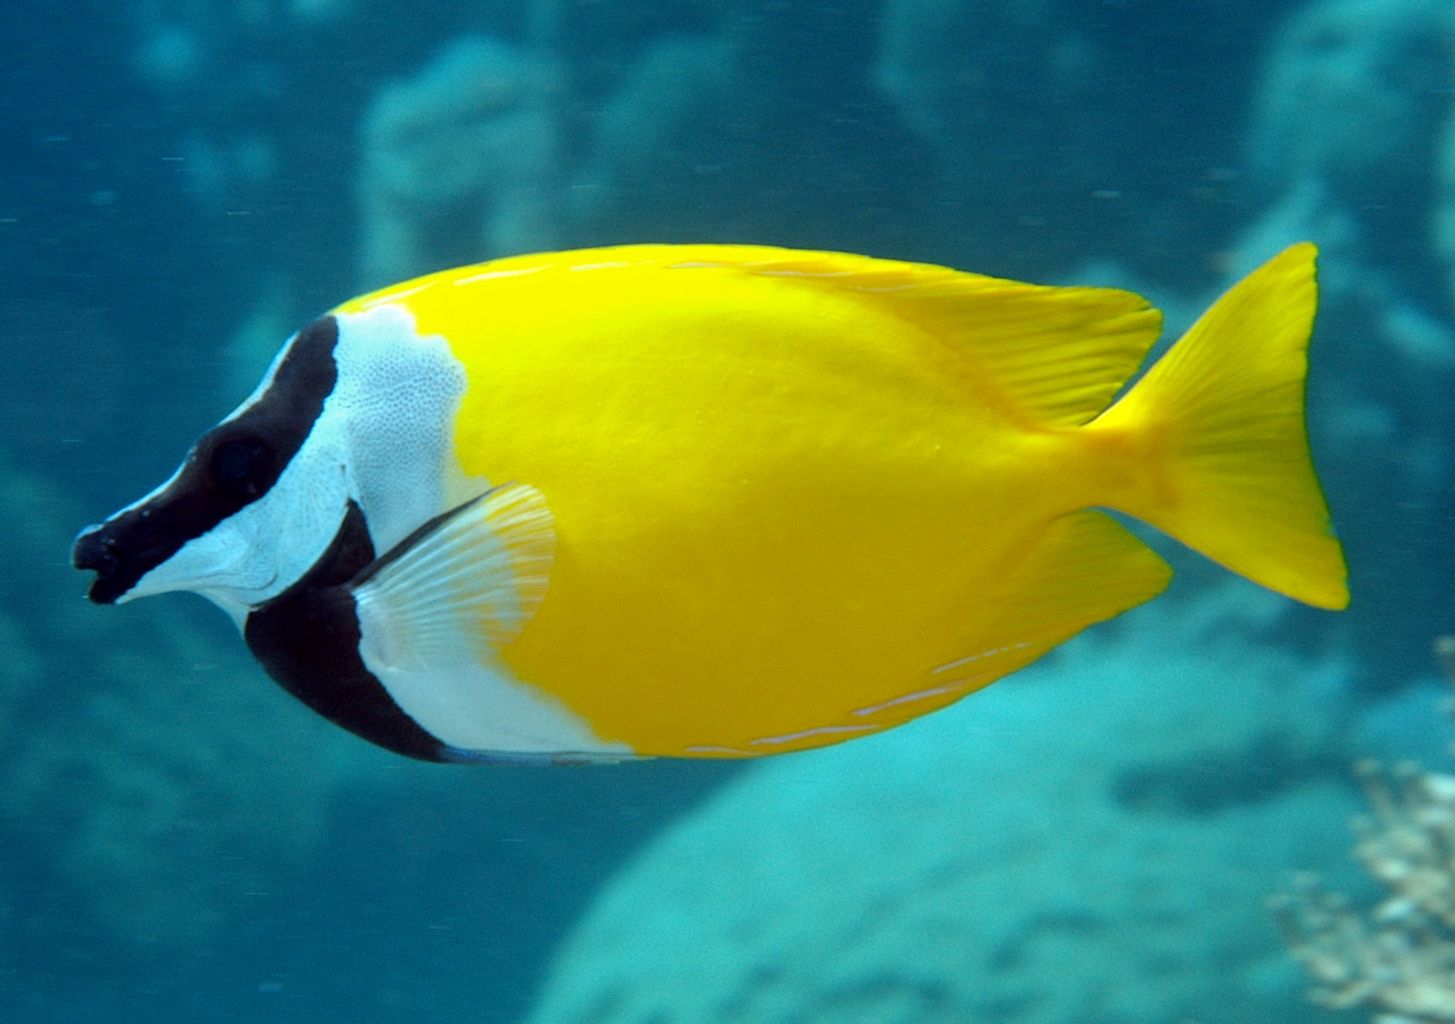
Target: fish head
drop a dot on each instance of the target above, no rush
(254, 504)
(352, 424)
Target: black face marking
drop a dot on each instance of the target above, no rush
(308, 640)
(230, 467)
(243, 467)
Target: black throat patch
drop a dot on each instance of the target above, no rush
(308, 640)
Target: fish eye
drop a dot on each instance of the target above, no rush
(241, 466)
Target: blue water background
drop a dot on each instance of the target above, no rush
(184, 183)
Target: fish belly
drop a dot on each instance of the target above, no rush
(775, 504)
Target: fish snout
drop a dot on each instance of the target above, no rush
(123, 549)
(97, 550)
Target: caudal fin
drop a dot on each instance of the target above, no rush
(1220, 419)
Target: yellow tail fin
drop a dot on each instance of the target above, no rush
(1220, 419)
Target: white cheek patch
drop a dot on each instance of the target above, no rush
(393, 411)
(258, 552)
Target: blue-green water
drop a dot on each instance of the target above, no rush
(185, 183)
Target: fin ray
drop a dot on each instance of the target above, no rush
(480, 571)
(1059, 354)
(1087, 568)
(1222, 415)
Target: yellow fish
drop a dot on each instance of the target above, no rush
(719, 500)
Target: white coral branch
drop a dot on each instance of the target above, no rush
(1399, 957)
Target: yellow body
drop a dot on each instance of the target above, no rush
(798, 496)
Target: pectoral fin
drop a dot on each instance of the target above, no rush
(479, 571)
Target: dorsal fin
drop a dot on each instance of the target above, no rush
(1059, 354)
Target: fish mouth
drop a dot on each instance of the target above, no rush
(131, 555)
(96, 550)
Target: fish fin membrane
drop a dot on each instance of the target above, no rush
(479, 571)
(1222, 418)
(1059, 355)
(1086, 568)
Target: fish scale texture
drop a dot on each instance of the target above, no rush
(1090, 841)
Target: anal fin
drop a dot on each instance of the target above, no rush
(1085, 569)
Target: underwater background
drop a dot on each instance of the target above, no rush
(1096, 839)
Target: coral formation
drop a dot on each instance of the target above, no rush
(652, 128)
(1087, 840)
(500, 145)
(1385, 67)
(954, 68)
(1399, 956)
(460, 161)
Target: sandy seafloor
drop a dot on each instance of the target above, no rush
(185, 181)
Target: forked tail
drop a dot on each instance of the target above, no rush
(1220, 421)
